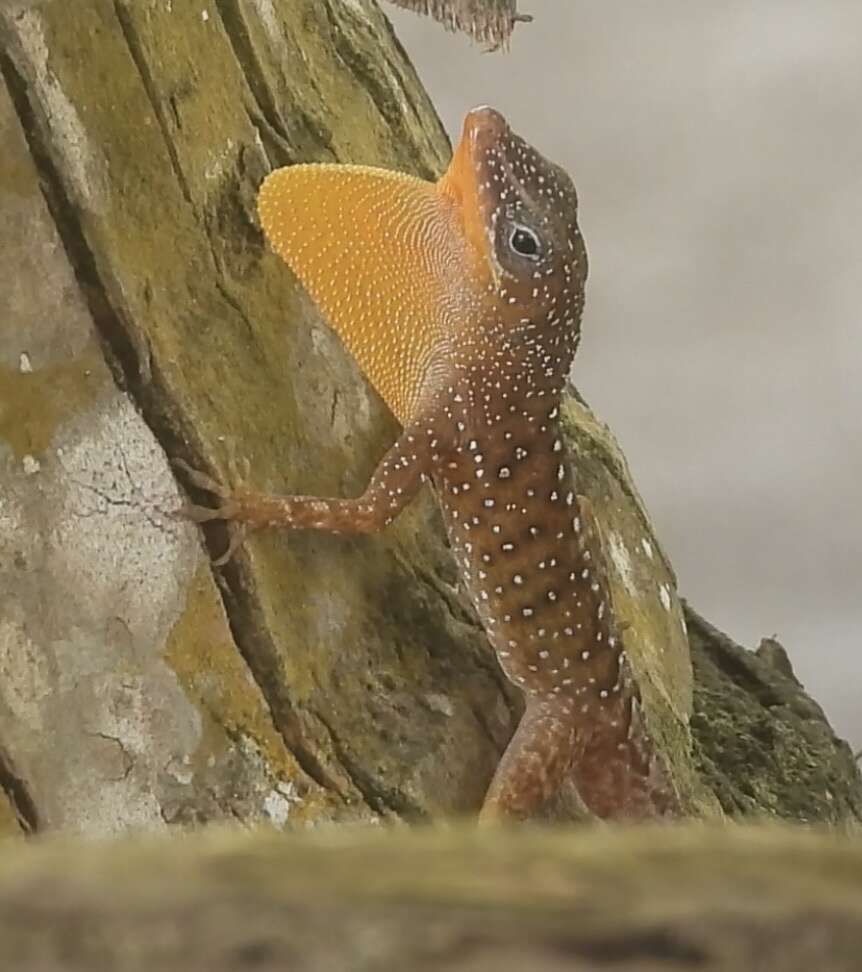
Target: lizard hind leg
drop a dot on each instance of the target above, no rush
(536, 763)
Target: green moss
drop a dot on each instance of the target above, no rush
(761, 745)
(34, 404)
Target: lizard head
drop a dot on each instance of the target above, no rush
(398, 265)
(519, 214)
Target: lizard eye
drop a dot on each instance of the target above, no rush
(525, 242)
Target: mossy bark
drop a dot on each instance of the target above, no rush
(314, 678)
(634, 900)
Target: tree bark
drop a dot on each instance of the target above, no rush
(631, 900)
(314, 678)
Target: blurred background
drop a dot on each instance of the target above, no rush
(717, 151)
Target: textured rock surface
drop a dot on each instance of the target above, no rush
(315, 677)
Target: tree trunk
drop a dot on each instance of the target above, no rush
(314, 678)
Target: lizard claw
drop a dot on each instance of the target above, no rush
(227, 510)
(237, 536)
(205, 514)
(201, 479)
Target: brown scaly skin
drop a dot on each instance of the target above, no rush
(487, 267)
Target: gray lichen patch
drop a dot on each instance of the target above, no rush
(241, 760)
(113, 644)
(82, 161)
(44, 324)
(93, 572)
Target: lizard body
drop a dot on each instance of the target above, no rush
(461, 302)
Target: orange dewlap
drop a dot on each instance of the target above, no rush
(383, 256)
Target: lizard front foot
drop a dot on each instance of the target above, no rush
(230, 509)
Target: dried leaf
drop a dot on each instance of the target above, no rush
(486, 21)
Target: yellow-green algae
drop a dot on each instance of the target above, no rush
(33, 404)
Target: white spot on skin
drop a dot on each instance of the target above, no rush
(647, 547)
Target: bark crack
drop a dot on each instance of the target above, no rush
(383, 800)
(117, 347)
(270, 118)
(390, 102)
(19, 796)
(127, 758)
(463, 617)
(238, 37)
(133, 43)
